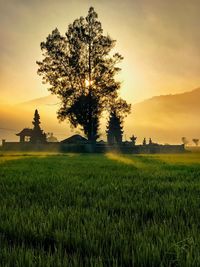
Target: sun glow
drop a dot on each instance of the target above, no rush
(88, 83)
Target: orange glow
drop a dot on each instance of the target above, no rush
(88, 83)
(159, 43)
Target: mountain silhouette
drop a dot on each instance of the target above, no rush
(167, 118)
(164, 118)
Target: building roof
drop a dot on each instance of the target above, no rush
(74, 139)
(25, 132)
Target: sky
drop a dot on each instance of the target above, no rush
(160, 42)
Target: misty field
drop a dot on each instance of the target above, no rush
(99, 210)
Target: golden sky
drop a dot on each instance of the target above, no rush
(159, 39)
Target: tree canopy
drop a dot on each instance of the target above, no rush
(81, 72)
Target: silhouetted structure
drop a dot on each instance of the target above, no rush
(51, 138)
(144, 142)
(133, 139)
(195, 141)
(35, 135)
(35, 140)
(74, 139)
(185, 141)
(25, 135)
(101, 142)
(114, 129)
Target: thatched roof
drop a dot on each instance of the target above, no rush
(74, 139)
(25, 132)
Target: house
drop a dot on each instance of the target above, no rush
(25, 135)
(35, 135)
(75, 139)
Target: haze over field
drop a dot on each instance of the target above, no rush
(164, 118)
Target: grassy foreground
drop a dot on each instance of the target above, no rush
(99, 210)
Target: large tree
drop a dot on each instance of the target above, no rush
(81, 72)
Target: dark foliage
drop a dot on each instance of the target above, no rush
(81, 72)
(84, 111)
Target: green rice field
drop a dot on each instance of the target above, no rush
(99, 210)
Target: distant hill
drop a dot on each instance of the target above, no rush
(165, 118)
(177, 103)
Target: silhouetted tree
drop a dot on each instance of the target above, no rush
(80, 72)
(37, 135)
(80, 114)
(150, 141)
(144, 142)
(195, 141)
(184, 140)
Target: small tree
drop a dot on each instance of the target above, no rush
(144, 142)
(185, 141)
(37, 135)
(150, 141)
(195, 141)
